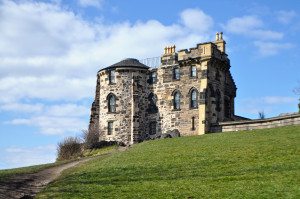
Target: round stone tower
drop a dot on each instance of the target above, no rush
(122, 99)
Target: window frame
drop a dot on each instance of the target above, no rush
(193, 124)
(176, 100)
(194, 102)
(153, 80)
(176, 73)
(110, 127)
(112, 78)
(192, 75)
(111, 107)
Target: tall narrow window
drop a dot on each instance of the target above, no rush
(153, 77)
(152, 128)
(176, 101)
(193, 71)
(193, 123)
(193, 99)
(112, 77)
(111, 103)
(110, 127)
(176, 73)
(152, 108)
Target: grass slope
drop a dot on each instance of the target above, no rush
(249, 164)
(6, 173)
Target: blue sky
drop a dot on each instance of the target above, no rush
(50, 52)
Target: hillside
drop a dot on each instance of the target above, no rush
(250, 164)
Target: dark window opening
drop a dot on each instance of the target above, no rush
(112, 77)
(153, 78)
(193, 71)
(176, 101)
(110, 128)
(111, 104)
(176, 73)
(193, 123)
(152, 128)
(193, 99)
(152, 108)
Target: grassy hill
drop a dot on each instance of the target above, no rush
(249, 164)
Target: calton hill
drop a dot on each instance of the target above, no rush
(167, 126)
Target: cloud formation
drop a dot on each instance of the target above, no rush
(14, 157)
(91, 3)
(50, 54)
(267, 41)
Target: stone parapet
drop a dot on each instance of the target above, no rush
(293, 119)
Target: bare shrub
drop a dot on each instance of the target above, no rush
(261, 115)
(91, 137)
(69, 148)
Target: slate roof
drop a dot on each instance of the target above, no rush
(129, 62)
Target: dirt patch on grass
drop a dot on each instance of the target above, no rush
(26, 186)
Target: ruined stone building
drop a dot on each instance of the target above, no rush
(191, 91)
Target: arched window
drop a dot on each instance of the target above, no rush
(152, 108)
(176, 100)
(111, 103)
(193, 99)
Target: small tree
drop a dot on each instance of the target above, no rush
(69, 148)
(261, 115)
(91, 137)
(297, 92)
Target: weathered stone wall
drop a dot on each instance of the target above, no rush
(130, 91)
(95, 109)
(165, 88)
(273, 122)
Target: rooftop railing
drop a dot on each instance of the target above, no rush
(152, 62)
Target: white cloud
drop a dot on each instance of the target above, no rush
(286, 17)
(23, 108)
(14, 157)
(50, 119)
(91, 3)
(49, 53)
(242, 25)
(270, 105)
(251, 26)
(50, 125)
(196, 20)
(271, 48)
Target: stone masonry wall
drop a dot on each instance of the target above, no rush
(127, 118)
(257, 124)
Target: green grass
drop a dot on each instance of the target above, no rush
(31, 169)
(249, 164)
(6, 173)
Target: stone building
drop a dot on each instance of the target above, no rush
(191, 91)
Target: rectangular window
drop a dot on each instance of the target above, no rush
(176, 73)
(153, 77)
(110, 128)
(193, 71)
(112, 77)
(193, 123)
(152, 128)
